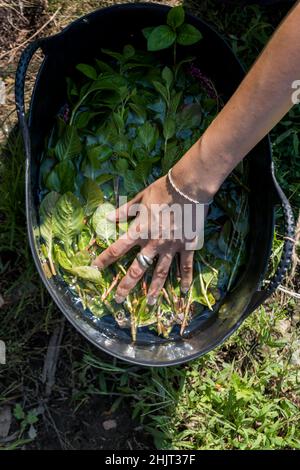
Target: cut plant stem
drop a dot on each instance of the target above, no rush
(113, 284)
(186, 313)
(165, 294)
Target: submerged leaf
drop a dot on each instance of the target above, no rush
(105, 229)
(88, 273)
(68, 219)
(92, 194)
(69, 145)
(47, 208)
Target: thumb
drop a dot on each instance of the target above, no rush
(122, 213)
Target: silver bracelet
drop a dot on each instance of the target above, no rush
(185, 195)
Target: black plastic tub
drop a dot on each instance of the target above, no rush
(81, 42)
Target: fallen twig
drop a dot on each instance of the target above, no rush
(289, 292)
(49, 369)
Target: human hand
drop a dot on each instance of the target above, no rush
(160, 234)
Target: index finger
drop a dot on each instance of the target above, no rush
(119, 248)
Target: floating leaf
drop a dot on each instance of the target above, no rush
(81, 258)
(69, 145)
(161, 37)
(131, 183)
(46, 224)
(169, 128)
(104, 229)
(189, 117)
(62, 177)
(87, 70)
(188, 35)
(88, 273)
(148, 135)
(121, 165)
(175, 17)
(92, 194)
(167, 76)
(68, 219)
(61, 258)
(162, 90)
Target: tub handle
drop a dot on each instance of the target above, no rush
(289, 241)
(25, 59)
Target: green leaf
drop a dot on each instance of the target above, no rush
(161, 37)
(131, 184)
(161, 89)
(118, 120)
(175, 102)
(171, 156)
(107, 81)
(167, 76)
(121, 165)
(84, 238)
(142, 170)
(169, 128)
(81, 258)
(104, 67)
(87, 70)
(128, 51)
(101, 179)
(187, 35)
(200, 293)
(104, 229)
(139, 111)
(69, 145)
(88, 273)
(224, 238)
(61, 258)
(46, 223)
(147, 31)
(175, 17)
(92, 194)
(190, 117)
(98, 154)
(19, 412)
(62, 178)
(83, 118)
(148, 135)
(68, 219)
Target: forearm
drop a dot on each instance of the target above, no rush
(261, 100)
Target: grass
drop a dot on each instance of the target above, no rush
(244, 395)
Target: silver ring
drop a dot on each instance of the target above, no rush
(145, 261)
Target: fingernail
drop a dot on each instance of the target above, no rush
(184, 290)
(151, 300)
(111, 216)
(119, 299)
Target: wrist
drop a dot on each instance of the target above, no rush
(194, 177)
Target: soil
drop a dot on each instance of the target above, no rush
(86, 429)
(18, 21)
